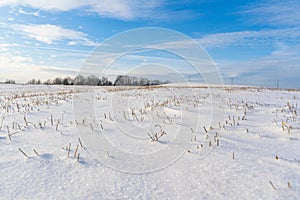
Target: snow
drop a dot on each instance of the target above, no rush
(118, 160)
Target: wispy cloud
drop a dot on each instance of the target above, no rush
(3, 24)
(24, 12)
(6, 46)
(239, 38)
(119, 9)
(282, 64)
(274, 13)
(250, 38)
(45, 5)
(49, 34)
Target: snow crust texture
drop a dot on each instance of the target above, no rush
(166, 142)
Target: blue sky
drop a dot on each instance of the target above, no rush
(256, 42)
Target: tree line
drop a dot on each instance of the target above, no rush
(121, 80)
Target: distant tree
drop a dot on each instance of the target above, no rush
(109, 83)
(48, 82)
(58, 81)
(92, 80)
(106, 82)
(68, 81)
(65, 81)
(154, 82)
(135, 81)
(144, 81)
(125, 80)
(122, 80)
(79, 80)
(100, 83)
(118, 80)
(31, 82)
(10, 82)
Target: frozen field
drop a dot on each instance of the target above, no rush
(171, 142)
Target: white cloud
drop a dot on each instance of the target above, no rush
(45, 5)
(282, 64)
(240, 38)
(113, 8)
(120, 9)
(265, 37)
(3, 25)
(49, 34)
(6, 46)
(22, 69)
(24, 12)
(275, 13)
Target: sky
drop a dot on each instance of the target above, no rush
(251, 42)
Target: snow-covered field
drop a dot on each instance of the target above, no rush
(171, 142)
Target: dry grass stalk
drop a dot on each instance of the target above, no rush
(36, 152)
(51, 120)
(272, 185)
(19, 127)
(69, 148)
(26, 122)
(153, 138)
(91, 125)
(80, 143)
(57, 126)
(23, 153)
(136, 118)
(76, 150)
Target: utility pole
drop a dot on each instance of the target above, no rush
(277, 84)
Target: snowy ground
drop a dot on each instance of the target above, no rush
(251, 149)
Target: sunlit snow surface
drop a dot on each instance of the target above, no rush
(260, 128)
